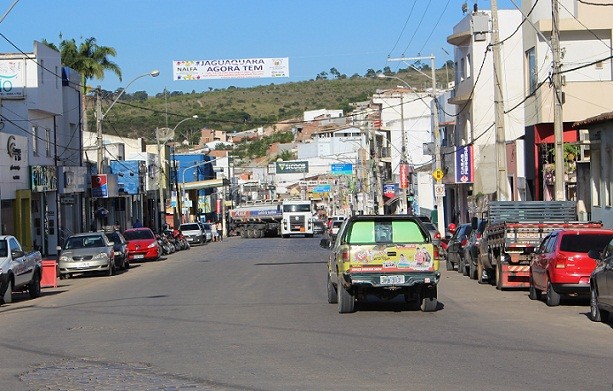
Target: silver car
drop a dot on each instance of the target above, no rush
(86, 253)
(192, 232)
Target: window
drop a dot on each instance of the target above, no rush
(584, 243)
(35, 140)
(375, 232)
(532, 72)
(468, 66)
(48, 142)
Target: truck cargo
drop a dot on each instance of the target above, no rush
(273, 218)
(514, 229)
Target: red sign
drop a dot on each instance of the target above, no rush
(404, 175)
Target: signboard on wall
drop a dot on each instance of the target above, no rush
(100, 187)
(12, 78)
(464, 164)
(43, 178)
(292, 167)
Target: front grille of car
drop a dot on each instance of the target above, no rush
(82, 258)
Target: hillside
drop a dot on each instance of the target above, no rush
(237, 109)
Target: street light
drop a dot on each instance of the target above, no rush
(100, 116)
(437, 145)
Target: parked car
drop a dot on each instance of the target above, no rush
(455, 246)
(192, 232)
(120, 246)
(435, 235)
(334, 229)
(385, 256)
(207, 231)
(601, 284)
(19, 270)
(90, 252)
(561, 264)
(142, 244)
(471, 250)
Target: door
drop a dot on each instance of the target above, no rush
(541, 259)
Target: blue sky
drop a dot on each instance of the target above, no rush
(349, 35)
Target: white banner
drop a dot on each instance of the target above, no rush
(231, 69)
(12, 78)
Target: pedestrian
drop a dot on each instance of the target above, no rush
(220, 231)
(213, 231)
(137, 224)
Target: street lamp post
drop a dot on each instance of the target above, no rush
(100, 116)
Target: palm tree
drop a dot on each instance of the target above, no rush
(89, 59)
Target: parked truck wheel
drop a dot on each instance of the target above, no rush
(346, 301)
(8, 295)
(499, 277)
(243, 233)
(553, 297)
(332, 294)
(34, 286)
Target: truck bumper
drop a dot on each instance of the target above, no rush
(373, 280)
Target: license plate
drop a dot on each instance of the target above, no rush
(139, 256)
(391, 280)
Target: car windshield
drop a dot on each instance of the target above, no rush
(138, 234)
(113, 237)
(297, 208)
(190, 227)
(373, 232)
(84, 242)
(584, 242)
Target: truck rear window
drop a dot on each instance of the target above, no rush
(373, 232)
(583, 243)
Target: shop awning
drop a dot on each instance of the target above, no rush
(208, 184)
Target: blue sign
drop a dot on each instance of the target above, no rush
(341, 168)
(322, 189)
(464, 169)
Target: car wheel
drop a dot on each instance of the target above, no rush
(553, 297)
(126, 264)
(472, 270)
(34, 287)
(8, 295)
(480, 272)
(111, 270)
(346, 301)
(449, 264)
(534, 293)
(596, 314)
(464, 267)
(332, 294)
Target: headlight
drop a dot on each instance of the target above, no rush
(64, 258)
(152, 245)
(101, 255)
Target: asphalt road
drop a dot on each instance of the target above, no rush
(251, 314)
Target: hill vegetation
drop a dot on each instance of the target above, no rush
(237, 109)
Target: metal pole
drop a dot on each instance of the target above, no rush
(179, 196)
(558, 122)
(100, 155)
(162, 205)
(403, 160)
(440, 213)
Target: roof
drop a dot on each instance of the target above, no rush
(604, 117)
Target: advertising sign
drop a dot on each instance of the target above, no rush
(100, 187)
(12, 78)
(341, 168)
(404, 175)
(43, 178)
(296, 167)
(247, 68)
(464, 165)
(390, 190)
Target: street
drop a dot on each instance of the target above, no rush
(252, 314)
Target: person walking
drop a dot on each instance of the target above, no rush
(214, 233)
(220, 230)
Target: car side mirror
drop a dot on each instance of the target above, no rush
(111, 243)
(594, 254)
(325, 243)
(17, 253)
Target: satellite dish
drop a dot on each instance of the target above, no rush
(164, 134)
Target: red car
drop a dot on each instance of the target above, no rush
(561, 265)
(142, 244)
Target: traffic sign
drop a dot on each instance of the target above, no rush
(438, 174)
(439, 190)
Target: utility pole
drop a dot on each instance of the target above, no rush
(403, 160)
(99, 145)
(501, 151)
(377, 170)
(558, 121)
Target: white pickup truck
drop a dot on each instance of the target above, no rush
(19, 271)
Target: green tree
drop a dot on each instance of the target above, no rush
(89, 59)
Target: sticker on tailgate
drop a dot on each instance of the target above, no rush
(368, 258)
